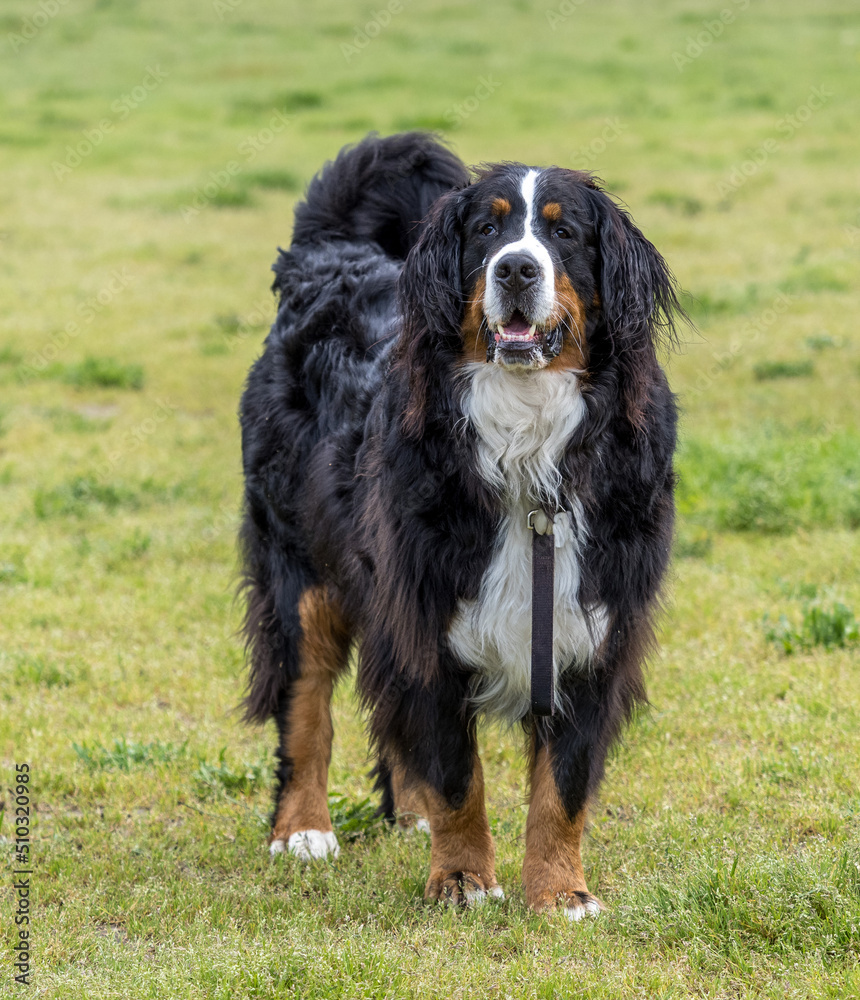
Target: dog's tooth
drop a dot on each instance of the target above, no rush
(532, 329)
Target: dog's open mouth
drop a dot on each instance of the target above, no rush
(520, 343)
(517, 332)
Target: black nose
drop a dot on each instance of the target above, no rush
(516, 271)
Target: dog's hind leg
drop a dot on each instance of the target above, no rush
(410, 808)
(401, 805)
(301, 823)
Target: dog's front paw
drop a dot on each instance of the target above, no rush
(575, 905)
(580, 904)
(462, 888)
(308, 845)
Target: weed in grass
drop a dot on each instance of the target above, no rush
(130, 549)
(796, 766)
(676, 201)
(704, 306)
(766, 370)
(833, 627)
(693, 544)
(274, 180)
(12, 571)
(229, 323)
(819, 278)
(232, 197)
(38, 671)
(822, 342)
(758, 505)
(101, 373)
(84, 495)
(291, 101)
(221, 778)
(354, 820)
(126, 755)
(80, 496)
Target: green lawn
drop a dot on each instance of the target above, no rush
(151, 153)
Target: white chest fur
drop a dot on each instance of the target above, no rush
(523, 422)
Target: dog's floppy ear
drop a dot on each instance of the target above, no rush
(638, 298)
(431, 302)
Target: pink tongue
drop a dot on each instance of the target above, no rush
(517, 326)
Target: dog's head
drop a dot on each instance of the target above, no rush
(532, 269)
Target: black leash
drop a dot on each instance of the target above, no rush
(543, 566)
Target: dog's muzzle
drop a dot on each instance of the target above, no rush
(518, 315)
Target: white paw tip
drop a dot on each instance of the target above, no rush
(277, 847)
(309, 845)
(589, 909)
(475, 897)
(410, 826)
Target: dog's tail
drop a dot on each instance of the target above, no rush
(379, 190)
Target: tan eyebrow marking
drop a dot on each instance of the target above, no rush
(551, 211)
(501, 206)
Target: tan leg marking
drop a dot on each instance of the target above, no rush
(303, 808)
(552, 871)
(462, 852)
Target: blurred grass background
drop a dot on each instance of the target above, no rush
(151, 153)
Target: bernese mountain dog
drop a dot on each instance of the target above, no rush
(453, 355)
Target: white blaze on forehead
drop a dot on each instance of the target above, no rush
(527, 243)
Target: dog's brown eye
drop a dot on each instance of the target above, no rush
(562, 233)
(488, 230)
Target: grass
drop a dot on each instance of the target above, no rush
(832, 627)
(724, 840)
(125, 755)
(765, 370)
